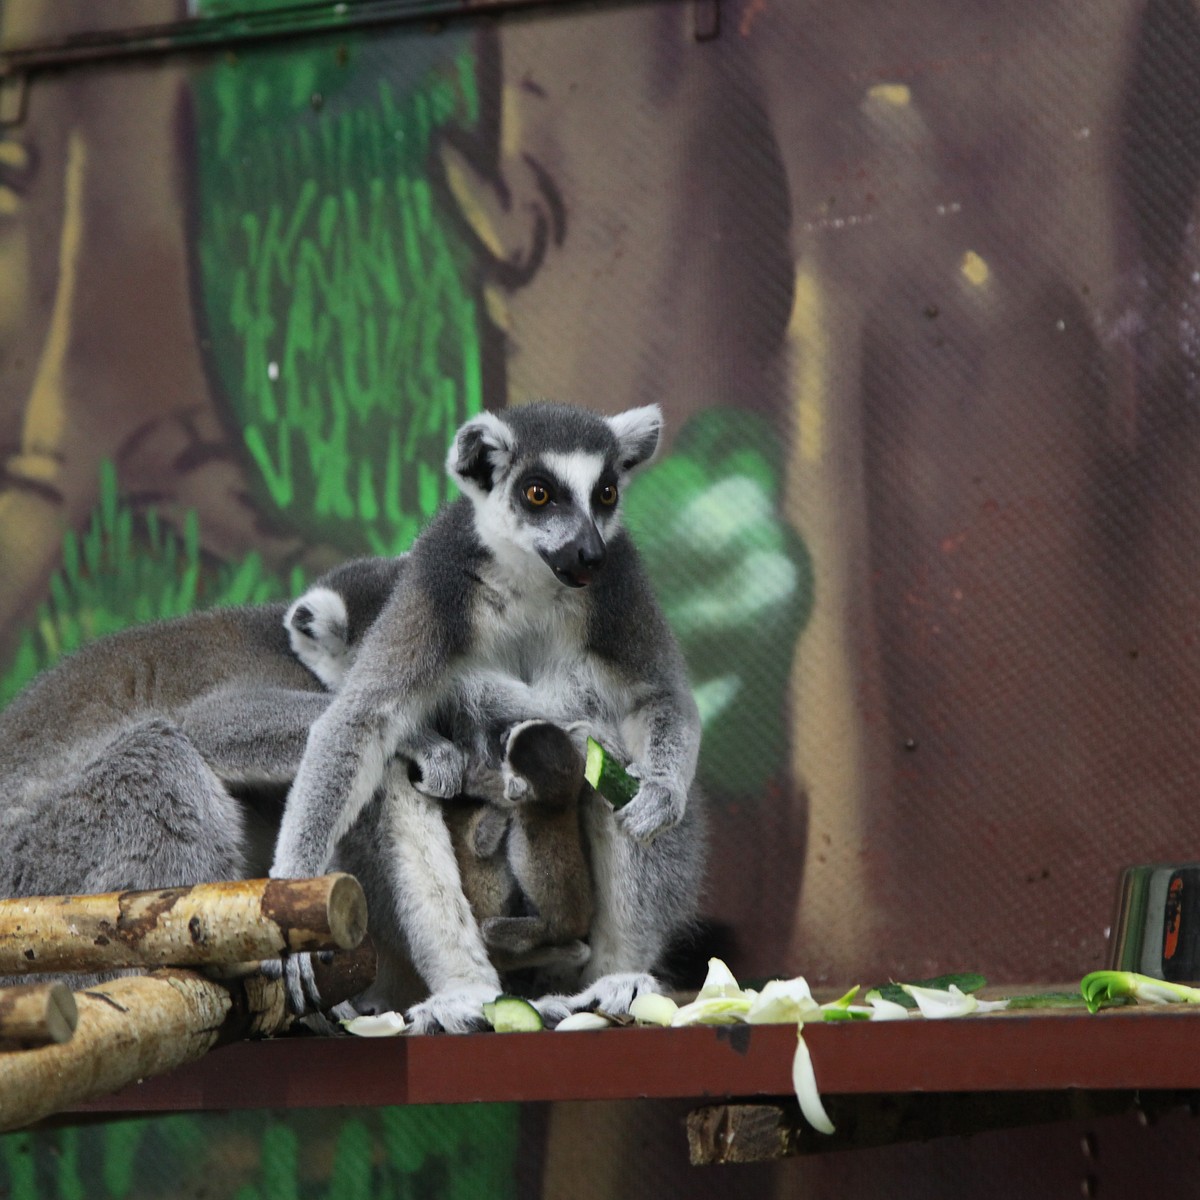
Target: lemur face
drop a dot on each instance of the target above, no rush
(546, 481)
(566, 506)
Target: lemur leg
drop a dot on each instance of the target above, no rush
(644, 895)
(424, 915)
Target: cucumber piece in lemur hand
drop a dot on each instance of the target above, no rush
(608, 777)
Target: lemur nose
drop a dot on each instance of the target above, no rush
(592, 557)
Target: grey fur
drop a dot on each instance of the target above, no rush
(516, 826)
(552, 598)
(154, 757)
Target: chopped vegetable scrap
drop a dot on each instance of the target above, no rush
(607, 776)
(897, 993)
(387, 1024)
(1105, 986)
(937, 1003)
(583, 1020)
(512, 1014)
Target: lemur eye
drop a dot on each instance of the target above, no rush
(607, 495)
(537, 493)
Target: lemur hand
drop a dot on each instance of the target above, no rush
(657, 807)
(442, 766)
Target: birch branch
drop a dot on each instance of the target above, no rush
(209, 923)
(143, 1025)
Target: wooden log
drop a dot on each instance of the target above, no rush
(740, 1133)
(142, 1025)
(36, 1014)
(208, 923)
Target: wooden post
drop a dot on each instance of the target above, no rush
(36, 1014)
(143, 1025)
(208, 923)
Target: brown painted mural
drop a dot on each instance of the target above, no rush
(916, 284)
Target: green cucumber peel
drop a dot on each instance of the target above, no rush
(512, 1014)
(965, 981)
(1061, 1000)
(607, 776)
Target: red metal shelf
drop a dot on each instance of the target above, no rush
(1142, 1048)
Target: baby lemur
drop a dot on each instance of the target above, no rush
(531, 851)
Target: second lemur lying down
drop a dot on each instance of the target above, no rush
(516, 826)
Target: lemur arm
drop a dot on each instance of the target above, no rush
(343, 764)
(662, 732)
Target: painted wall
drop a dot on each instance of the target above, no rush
(916, 284)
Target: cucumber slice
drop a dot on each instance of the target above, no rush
(511, 1014)
(608, 777)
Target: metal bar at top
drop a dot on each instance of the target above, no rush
(239, 29)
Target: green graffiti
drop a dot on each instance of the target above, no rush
(352, 1163)
(736, 583)
(121, 1142)
(342, 327)
(70, 1183)
(16, 1152)
(128, 568)
(280, 1164)
(462, 1151)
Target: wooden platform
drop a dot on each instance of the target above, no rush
(1142, 1048)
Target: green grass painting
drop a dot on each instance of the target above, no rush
(127, 568)
(344, 332)
(400, 1153)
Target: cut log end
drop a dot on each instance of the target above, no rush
(347, 912)
(37, 1014)
(313, 913)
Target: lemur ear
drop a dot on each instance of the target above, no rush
(481, 451)
(637, 431)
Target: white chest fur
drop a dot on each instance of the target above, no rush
(531, 628)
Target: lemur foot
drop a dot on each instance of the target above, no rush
(300, 984)
(457, 1011)
(611, 994)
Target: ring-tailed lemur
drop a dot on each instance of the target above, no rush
(514, 814)
(529, 578)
